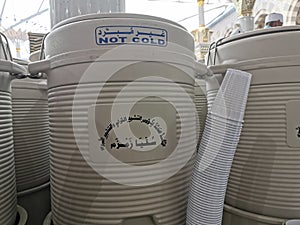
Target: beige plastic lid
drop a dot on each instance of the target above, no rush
(114, 16)
(260, 32)
(256, 45)
(104, 32)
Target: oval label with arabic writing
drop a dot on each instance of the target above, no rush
(147, 134)
(115, 35)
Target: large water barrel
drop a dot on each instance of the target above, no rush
(8, 200)
(265, 176)
(122, 119)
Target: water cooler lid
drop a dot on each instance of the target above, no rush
(260, 32)
(115, 16)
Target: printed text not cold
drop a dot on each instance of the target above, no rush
(112, 35)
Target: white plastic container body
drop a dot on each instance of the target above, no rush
(31, 133)
(155, 73)
(269, 143)
(201, 106)
(263, 177)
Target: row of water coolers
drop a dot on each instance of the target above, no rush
(93, 81)
(24, 144)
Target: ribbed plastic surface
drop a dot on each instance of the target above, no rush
(81, 196)
(201, 105)
(265, 175)
(212, 87)
(8, 200)
(234, 216)
(31, 133)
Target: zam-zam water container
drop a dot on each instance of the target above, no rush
(122, 119)
(264, 182)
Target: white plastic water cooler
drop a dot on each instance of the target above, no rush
(264, 182)
(97, 66)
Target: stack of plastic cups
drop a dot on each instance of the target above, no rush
(219, 141)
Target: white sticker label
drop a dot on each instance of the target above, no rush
(293, 123)
(147, 134)
(114, 35)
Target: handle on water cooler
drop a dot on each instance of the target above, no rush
(23, 215)
(214, 82)
(202, 71)
(220, 69)
(36, 68)
(15, 69)
(7, 65)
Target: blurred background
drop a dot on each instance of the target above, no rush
(25, 22)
